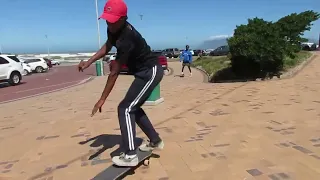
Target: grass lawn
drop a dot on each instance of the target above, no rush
(300, 57)
(212, 64)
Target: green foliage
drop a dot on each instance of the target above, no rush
(260, 47)
(293, 26)
(299, 58)
(212, 64)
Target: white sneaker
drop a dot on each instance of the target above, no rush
(150, 146)
(125, 160)
(190, 74)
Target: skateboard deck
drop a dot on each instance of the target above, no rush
(179, 75)
(115, 172)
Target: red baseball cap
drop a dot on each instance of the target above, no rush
(114, 10)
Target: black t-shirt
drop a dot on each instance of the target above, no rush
(132, 49)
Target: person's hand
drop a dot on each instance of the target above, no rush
(97, 107)
(83, 65)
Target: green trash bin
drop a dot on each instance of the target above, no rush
(99, 68)
(155, 97)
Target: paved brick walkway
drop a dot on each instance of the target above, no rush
(255, 130)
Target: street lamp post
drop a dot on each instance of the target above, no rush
(48, 50)
(99, 62)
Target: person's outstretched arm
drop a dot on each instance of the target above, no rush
(123, 55)
(101, 53)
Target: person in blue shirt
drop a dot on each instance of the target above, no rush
(186, 58)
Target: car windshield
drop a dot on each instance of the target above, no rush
(14, 58)
(31, 60)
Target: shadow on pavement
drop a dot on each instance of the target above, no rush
(226, 75)
(5, 84)
(108, 141)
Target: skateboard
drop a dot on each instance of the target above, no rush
(115, 172)
(179, 75)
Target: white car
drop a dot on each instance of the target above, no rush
(110, 57)
(308, 46)
(207, 51)
(55, 62)
(192, 52)
(38, 65)
(11, 69)
(26, 69)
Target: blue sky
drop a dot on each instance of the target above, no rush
(71, 24)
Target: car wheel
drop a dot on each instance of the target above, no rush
(39, 69)
(15, 78)
(170, 56)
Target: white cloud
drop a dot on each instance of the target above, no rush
(219, 37)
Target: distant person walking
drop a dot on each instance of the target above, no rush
(200, 53)
(186, 58)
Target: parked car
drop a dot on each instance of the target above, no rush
(55, 62)
(11, 69)
(192, 52)
(161, 57)
(197, 52)
(307, 46)
(172, 52)
(38, 65)
(220, 51)
(49, 62)
(26, 69)
(110, 57)
(207, 52)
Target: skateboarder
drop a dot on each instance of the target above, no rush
(186, 58)
(133, 51)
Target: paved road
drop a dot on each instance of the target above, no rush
(58, 77)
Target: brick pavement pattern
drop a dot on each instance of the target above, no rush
(254, 130)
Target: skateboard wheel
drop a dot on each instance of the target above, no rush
(146, 162)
